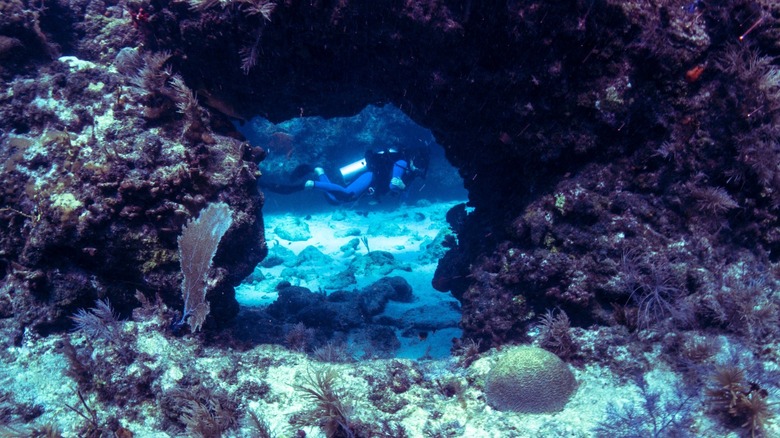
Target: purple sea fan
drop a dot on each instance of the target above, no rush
(657, 297)
(198, 244)
(98, 322)
(715, 200)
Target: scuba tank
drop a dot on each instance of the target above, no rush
(375, 161)
(353, 170)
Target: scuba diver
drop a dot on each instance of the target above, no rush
(379, 173)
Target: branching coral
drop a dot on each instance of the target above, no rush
(712, 200)
(49, 430)
(329, 410)
(251, 7)
(99, 322)
(745, 303)
(187, 105)
(466, 350)
(753, 92)
(92, 426)
(202, 412)
(159, 90)
(145, 73)
(740, 401)
(752, 69)
(656, 415)
(264, 8)
(333, 352)
(260, 427)
(656, 298)
(653, 286)
(556, 333)
(207, 418)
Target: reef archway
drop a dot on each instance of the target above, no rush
(585, 133)
(509, 113)
(550, 126)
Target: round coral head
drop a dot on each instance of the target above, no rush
(530, 380)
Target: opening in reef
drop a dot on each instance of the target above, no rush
(337, 142)
(356, 274)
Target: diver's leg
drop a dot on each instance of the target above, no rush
(334, 193)
(337, 193)
(360, 185)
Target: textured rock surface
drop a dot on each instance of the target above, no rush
(628, 147)
(96, 190)
(614, 129)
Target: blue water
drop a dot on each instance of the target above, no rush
(325, 248)
(333, 143)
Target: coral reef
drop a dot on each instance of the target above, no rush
(621, 163)
(313, 320)
(96, 193)
(622, 122)
(616, 129)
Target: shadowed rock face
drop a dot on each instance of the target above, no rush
(606, 146)
(97, 184)
(86, 219)
(498, 87)
(508, 96)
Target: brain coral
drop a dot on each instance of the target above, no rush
(529, 379)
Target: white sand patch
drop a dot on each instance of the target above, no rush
(341, 236)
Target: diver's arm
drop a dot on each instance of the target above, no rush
(396, 182)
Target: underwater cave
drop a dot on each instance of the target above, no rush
(337, 142)
(328, 248)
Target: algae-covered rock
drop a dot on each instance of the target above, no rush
(312, 257)
(293, 229)
(377, 262)
(94, 198)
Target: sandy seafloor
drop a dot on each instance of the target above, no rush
(404, 232)
(261, 380)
